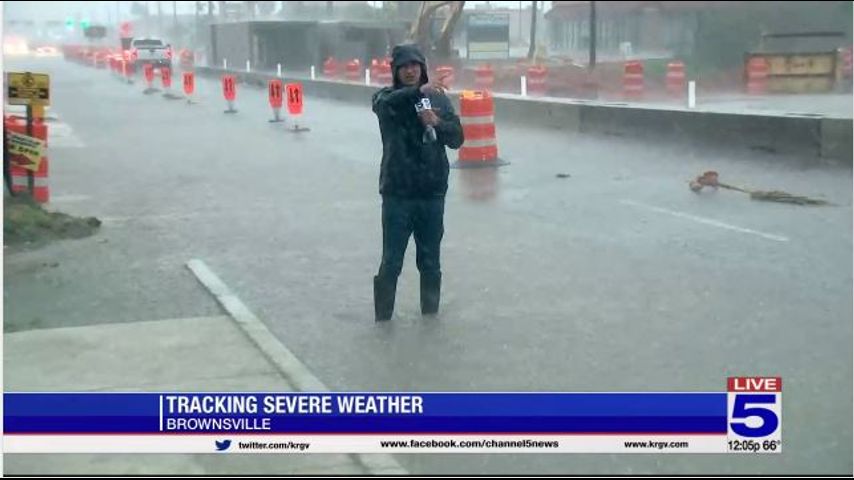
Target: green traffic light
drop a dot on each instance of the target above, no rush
(84, 23)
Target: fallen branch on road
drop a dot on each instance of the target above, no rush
(710, 179)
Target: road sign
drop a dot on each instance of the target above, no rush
(148, 70)
(189, 83)
(25, 151)
(275, 93)
(166, 77)
(294, 98)
(488, 36)
(229, 91)
(26, 88)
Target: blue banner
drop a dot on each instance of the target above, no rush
(354, 413)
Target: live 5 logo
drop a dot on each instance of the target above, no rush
(755, 414)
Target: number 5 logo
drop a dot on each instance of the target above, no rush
(741, 410)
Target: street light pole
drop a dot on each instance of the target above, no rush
(592, 56)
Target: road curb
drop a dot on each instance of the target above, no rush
(296, 373)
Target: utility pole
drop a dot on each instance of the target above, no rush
(592, 56)
(532, 48)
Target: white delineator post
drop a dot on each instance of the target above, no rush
(279, 70)
(523, 84)
(692, 94)
(312, 73)
(225, 64)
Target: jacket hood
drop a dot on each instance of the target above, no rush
(403, 54)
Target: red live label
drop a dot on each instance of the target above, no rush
(754, 384)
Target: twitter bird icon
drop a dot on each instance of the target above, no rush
(223, 445)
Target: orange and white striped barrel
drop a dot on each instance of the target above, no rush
(484, 77)
(537, 78)
(477, 115)
(446, 72)
(757, 76)
(375, 65)
(330, 68)
(353, 70)
(633, 85)
(20, 178)
(384, 76)
(675, 78)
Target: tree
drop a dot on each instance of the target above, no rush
(532, 48)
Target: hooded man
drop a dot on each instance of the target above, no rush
(413, 176)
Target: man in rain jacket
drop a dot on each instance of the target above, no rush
(413, 176)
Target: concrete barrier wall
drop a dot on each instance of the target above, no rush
(811, 137)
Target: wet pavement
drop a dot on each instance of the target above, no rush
(615, 278)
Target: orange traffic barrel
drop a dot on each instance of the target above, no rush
(633, 86)
(757, 76)
(330, 68)
(353, 70)
(484, 77)
(675, 78)
(384, 76)
(477, 115)
(446, 72)
(20, 175)
(537, 77)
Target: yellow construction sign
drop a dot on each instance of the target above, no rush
(25, 151)
(26, 88)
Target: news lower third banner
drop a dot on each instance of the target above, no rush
(746, 418)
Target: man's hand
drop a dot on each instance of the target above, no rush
(434, 86)
(429, 117)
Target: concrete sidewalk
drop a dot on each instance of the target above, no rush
(184, 354)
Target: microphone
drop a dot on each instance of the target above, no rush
(429, 131)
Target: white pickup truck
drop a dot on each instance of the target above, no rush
(151, 50)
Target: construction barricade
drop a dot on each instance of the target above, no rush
(477, 115)
(674, 79)
(20, 175)
(633, 83)
(537, 78)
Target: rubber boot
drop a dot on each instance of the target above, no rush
(431, 287)
(384, 292)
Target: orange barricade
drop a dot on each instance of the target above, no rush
(477, 115)
(166, 78)
(757, 76)
(189, 83)
(330, 68)
(633, 85)
(484, 77)
(20, 178)
(354, 70)
(447, 72)
(537, 79)
(384, 76)
(675, 78)
(148, 71)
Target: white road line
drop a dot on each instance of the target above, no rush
(286, 362)
(707, 221)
